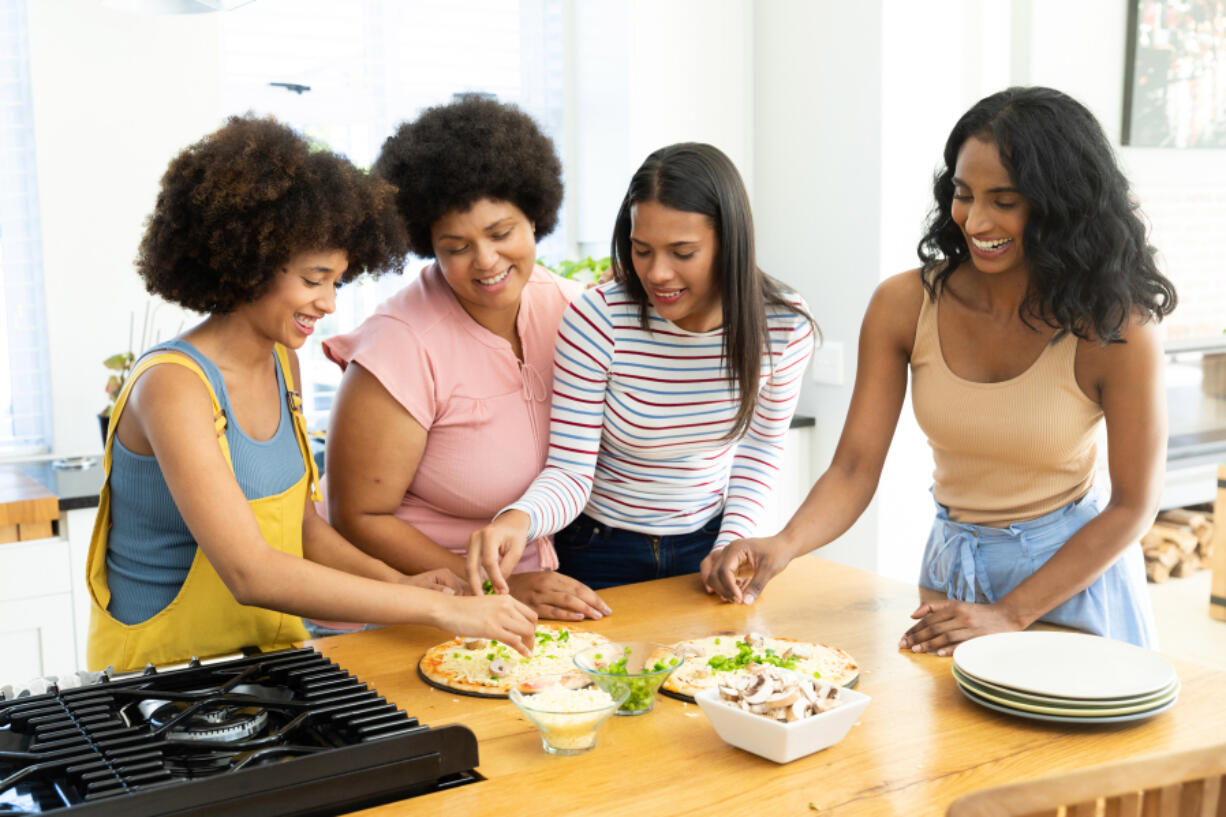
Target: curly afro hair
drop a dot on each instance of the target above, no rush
(457, 154)
(238, 204)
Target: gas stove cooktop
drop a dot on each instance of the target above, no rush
(285, 733)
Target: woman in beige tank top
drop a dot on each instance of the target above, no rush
(1031, 320)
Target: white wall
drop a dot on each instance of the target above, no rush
(924, 91)
(115, 96)
(817, 203)
(650, 73)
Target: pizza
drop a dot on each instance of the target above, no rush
(480, 666)
(707, 660)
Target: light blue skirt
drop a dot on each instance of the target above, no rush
(980, 563)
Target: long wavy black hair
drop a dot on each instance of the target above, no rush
(1089, 260)
(698, 178)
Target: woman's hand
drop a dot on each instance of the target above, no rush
(494, 551)
(442, 580)
(557, 596)
(946, 623)
(500, 617)
(740, 571)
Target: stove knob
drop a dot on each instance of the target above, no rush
(37, 686)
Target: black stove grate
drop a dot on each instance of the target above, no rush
(286, 733)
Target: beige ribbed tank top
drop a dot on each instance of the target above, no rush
(1008, 451)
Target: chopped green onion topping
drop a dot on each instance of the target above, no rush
(746, 656)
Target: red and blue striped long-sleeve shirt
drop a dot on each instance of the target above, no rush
(639, 422)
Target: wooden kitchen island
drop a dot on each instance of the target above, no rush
(919, 744)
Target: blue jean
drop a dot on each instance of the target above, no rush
(981, 564)
(601, 556)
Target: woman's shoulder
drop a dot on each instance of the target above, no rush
(1138, 350)
(172, 386)
(546, 285)
(893, 312)
(899, 297)
(902, 288)
(417, 314)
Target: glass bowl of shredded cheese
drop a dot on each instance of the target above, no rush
(569, 718)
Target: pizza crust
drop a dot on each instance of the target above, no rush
(831, 664)
(453, 665)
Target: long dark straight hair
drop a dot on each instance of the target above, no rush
(1088, 257)
(698, 178)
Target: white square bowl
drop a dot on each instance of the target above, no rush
(782, 742)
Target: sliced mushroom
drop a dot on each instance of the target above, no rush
(759, 696)
(476, 643)
(784, 699)
(690, 651)
(754, 639)
(500, 667)
(798, 711)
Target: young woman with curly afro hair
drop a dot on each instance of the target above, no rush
(1031, 321)
(442, 416)
(207, 540)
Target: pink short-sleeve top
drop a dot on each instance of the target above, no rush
(486, 414)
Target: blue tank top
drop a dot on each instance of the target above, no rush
(151, 550)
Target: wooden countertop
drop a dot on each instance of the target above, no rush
(919, 744)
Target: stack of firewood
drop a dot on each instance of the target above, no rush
(1178, 544)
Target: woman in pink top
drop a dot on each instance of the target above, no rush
(442, 417)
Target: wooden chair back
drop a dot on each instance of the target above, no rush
(1185, 784)
(1217, 556)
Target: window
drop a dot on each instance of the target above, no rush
(347, 73)
(25, 385)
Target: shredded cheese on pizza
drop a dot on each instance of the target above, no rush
(715, 657)
(496, 667)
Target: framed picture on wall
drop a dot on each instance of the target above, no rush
(1175, 76)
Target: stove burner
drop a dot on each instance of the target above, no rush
(211, 719)
(282, 733)
(224, 723)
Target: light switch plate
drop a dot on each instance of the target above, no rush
(827, 367)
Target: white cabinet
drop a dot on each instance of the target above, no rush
(44, 605)
(37, 627)
(794, 481)
(77, 526)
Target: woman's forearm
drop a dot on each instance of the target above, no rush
(833, 505)
(322, 544)
(395, 542)
(1077, 564)
(279, 581)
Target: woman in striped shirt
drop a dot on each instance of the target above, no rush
(674, 386)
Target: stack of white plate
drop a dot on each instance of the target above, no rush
(1064, 677)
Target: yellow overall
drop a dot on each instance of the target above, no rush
(204, 619)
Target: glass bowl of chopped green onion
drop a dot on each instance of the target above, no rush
(568, 718)
(641, 665)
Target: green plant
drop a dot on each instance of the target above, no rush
(588, 271)
(120, 364)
